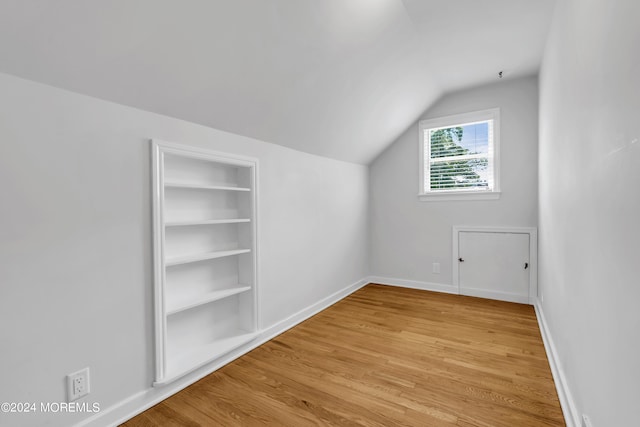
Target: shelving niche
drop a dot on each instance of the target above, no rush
(205, 256)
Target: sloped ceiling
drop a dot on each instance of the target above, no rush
(337, 78)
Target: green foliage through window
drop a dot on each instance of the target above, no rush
(454, 166)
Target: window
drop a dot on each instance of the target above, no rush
(459, 156)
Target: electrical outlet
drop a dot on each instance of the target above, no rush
(78, 384)
(586, 422)
(436, 268)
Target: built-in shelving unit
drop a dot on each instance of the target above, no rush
(185, 259)
(180, 305)
(205, 256)
(207, 222)
(204, 187)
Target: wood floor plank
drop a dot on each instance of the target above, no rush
(383, 356)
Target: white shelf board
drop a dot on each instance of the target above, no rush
(202, 257)
(199, 356)
(177, 307)
(204, 187)
(207, 222)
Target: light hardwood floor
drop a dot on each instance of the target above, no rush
(383, 356)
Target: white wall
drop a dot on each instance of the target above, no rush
(589, 205)
(407, 235)
(75, 239)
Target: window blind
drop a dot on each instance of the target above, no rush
(460, 157)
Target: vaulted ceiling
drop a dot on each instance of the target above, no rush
(337, 78)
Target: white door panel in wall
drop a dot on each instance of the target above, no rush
(494, 265)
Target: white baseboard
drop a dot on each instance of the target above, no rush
(413, 284)
(501, 296)
(449, 289)
(139, 402)
(569, 409)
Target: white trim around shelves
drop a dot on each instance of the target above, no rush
(204, 153)
(159, 277)
(186, 259)
(205, 299)
(206, 222)
(203, 187)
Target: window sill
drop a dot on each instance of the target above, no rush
(458, 195)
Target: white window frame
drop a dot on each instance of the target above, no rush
(426, 194)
